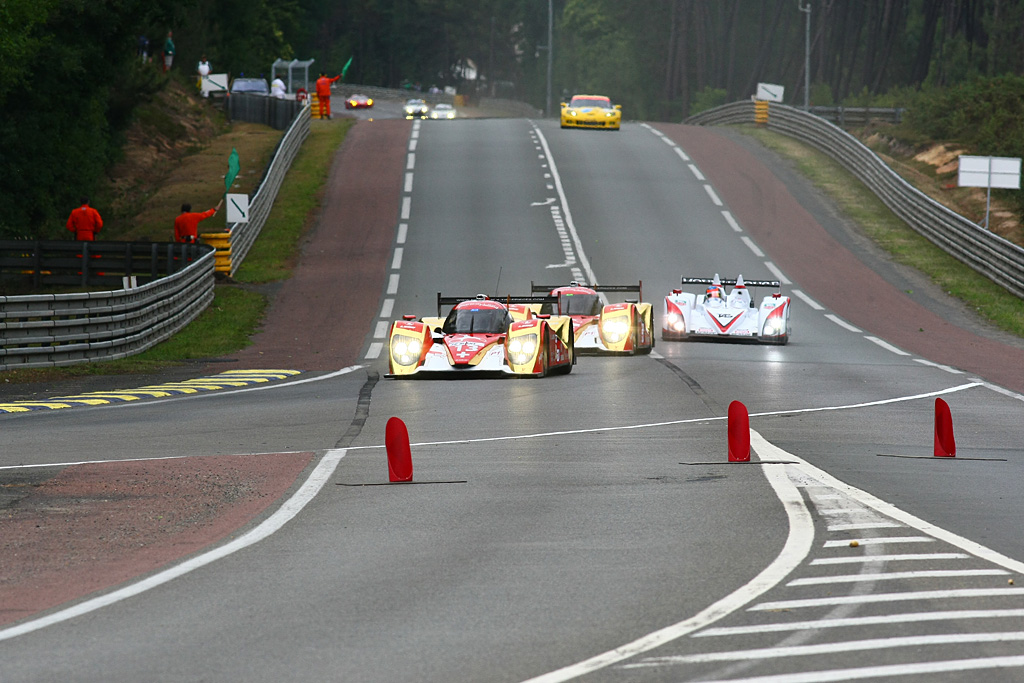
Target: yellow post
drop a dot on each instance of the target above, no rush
(221, 241)
(761, 112)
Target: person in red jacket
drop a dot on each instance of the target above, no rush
(323, 94)
(186, 225)
(85, 222)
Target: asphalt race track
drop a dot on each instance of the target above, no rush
(587, 527)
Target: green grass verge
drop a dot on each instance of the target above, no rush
(857, 202)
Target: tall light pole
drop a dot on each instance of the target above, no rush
(807, 52)
(547, 106)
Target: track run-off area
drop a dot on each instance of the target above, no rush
(585, 527)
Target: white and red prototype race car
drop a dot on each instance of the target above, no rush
(718, 315)
(482, 337)
(617, 328)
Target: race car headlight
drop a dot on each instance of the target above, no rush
(615, 329)
(522, 349)
(774, 326)
(369, 102)
(675, 322)
(405, 350)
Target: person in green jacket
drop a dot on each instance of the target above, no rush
(168, 52)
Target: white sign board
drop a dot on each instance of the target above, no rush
(770, 92)
(215, 83)
(997, 172)
(238, 208)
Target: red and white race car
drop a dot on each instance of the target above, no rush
(716, 314)
(617, 328)
(482, 337)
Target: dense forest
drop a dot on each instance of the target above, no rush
(71, 73)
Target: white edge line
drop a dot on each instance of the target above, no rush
(808, 300)
(403, 232)
(731, 221)
(696, 172)
(396, 260)
(779, 275)
(291, 507)
(887, 346)
(753, 247)
(374, 351)
(797, 547)
(842, 323)
(714, 197)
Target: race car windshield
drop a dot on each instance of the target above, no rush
(579, 304)
(590, 102)
(477, 321)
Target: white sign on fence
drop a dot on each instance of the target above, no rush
(997, 172)
(238, 208)
(770, 92)
(214, 83)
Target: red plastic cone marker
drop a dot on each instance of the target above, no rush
(739, 433)
(396, 441)
(945, 444)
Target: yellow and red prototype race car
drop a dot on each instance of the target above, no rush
(611, 328)
(591, 111)
(482, 337)
(358, 102)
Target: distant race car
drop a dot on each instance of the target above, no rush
(717, 315)
(615, 328)
(482, 337)
(591, 111)
(414, 108)
(358, 102)
(442, 111)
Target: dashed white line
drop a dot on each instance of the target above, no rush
(410, 162)
(696, 172)
(682, 154)
(779, 275)
(403, 231)
(406, 208)
(412, 145)
(952, 371)
(808, 300)
(396, 259)
(842, 323)
(408, 182)
(887, 346)
(376, 348)
(393, 283)
(731, 221)
(387, 307)
(382, 329)
(753, 247)
(714, 197)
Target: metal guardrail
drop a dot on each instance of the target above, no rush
(270, 111)
(47, 330)
(233, 245)
(852, 116)
(989, 254)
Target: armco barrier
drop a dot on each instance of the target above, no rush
(46, 330)
(996, 258)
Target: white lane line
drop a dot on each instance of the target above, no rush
(731, 221)
(779, 275)
(808, 300)
(884, 671)
(317, 478)
(952, 371)
(753, 247)
(403, 232)
(412, 145)
(842, 323)
(887, 346)
(668, 141)
(570, 224)
(857, 526)
(907, 596)
(682, 154)
(372, 353)
(406, 208)
(393, 283)
(416, 129)
(831, 648)
(714, 197)
(798, 545)
(408, 182)
(410, 162)
(387, 308)
(908, 618)
(696, 172)
(879, 540)
(396, 260)
(906, 557)
(382, 329)
(698, 420)
(896, 576)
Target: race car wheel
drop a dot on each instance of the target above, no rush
(571, 344)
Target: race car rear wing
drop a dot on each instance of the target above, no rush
(723, 281)
(507, 300)
(638, 288)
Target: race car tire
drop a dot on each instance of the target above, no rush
(571, 344)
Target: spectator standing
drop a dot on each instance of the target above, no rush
(323, 93)
(168, 51)
(186, 225)
(277, 88)
(203, 70)
(84, 222)
(143, 50)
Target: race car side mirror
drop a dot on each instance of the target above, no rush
(632, 301)
(408, 317)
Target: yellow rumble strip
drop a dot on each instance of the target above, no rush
(231, 379)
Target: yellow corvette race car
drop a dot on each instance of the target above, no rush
(591, 111)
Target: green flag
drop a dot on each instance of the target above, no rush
(233, 168)
(344, 69)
